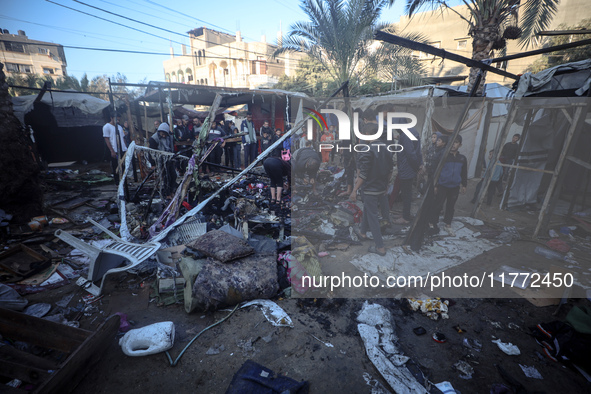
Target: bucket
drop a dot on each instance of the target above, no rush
(151, 339)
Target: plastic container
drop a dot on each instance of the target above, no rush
(549, 254)
(152, 339)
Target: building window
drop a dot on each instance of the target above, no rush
(48, 70)
(462, 44)
(43, 51)
(14, 47)
(11, 67)
(19, 68)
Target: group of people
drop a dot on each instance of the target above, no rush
(374, 168)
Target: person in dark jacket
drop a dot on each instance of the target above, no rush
(410, 163)
(374, 171)
(306, 163)
(452, 181)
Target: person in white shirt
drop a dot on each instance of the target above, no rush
(110, 136)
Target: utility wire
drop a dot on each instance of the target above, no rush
(180, 13)
(110, 21)
(147, 24)
(131, 19)
(137, 52)
(145, 13)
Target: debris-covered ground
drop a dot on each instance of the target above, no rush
(329, 342)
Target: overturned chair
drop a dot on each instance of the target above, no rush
(108, 259)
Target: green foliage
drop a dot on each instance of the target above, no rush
(552, 59)
(338, 38)
(337, 34)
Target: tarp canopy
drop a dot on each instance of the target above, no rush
(564, 77)
(204, 95)
(87, 104)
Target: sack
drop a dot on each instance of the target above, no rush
(285, 155)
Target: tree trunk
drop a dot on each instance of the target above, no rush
(20, 189)
(482, 44)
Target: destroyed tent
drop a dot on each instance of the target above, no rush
(66, 126)
(265, 104)
(550, 112)
(437, 109)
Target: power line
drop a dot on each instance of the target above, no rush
(131, 19)
(132, 52)
(115, 23)
(147, 24)
(79, 32)
(180, 13)
(144, 13)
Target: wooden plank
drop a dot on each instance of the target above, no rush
(553, 183)
(579, 162)
(483, 140)
(21, 327)
(22, 372)
(12, 354)
(524, 168)
(82, 359)
(496, 155)
(404, 42)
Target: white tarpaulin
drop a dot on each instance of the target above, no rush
(86, 103)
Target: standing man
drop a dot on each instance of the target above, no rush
(410, 163)
(452, 181)
(509, 154)
(250, 140)
(375, 168)
(110, 135)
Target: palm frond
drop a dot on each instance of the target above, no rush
(536, 16)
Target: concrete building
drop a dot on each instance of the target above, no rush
(221, 59)
(446, 30)
(22, 56)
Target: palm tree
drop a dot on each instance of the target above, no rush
(492, 22)
(395, 64)
(337, 35)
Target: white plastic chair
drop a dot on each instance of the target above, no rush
(108, 259)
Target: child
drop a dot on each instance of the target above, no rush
(266, 136)
(451, 182)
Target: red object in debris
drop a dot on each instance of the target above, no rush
(187, 205)
(439, 337)
(558, 245)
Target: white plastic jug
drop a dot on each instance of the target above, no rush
(155, 338)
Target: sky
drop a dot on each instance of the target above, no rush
(50, 21)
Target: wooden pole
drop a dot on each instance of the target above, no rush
(496, 155)
(556, 183)
(484, 139)
(515, 163)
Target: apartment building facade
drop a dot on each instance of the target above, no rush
(22, 56)
(219, 59)
(446, 30)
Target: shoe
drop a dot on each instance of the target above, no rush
(450, 231)
(433, 230)
(357, 231)
(373, 249)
